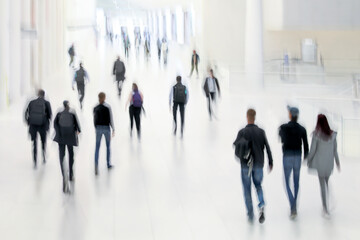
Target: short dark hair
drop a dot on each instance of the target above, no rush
(41, 93)
(102, 97)
(294, 118)
(178, 78)
(251, 113)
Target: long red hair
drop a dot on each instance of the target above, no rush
(322, 127)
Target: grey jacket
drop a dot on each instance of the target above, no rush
(322, 154)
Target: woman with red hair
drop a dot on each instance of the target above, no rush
(322, 154)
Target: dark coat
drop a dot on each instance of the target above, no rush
(206, 86)
(119, 70)
(65, 135)
(47, 117)
(197, 59)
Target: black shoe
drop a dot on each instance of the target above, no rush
(262, 216)
(96, 171)
(110, 166)
(293, 214)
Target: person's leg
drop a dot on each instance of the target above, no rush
(209, 104)
(182, 114)
(61, 157)
(197, 70)
(33, 133)
(131, 114)
(296, 173)
(137, 112)
(257, 175)
(42, 133)
(192, 69)
(246, 182)
(175, 106)
(81, 89)
(107, 139)
(288, 166)
(71, 161)
(322, 181)
(98, 141)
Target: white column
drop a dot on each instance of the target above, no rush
(4, 53)
(26, 72)
(254, 44)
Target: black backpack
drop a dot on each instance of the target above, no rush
(80, 76)
(243, 151)
(37, 112)
(66, 122)
(179, 93)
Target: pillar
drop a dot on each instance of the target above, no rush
(4, 53)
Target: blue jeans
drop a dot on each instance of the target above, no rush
(292, 162)
(102, 130)
(257, 177)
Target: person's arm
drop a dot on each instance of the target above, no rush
(268, 151)
(124, 71)
(171, 95)
(77, 123)
(26, 115)
(313, 148)
(218, 86)
(337, 161)
(114, 69)
(142, 97)
(95, 117)
(187, 95)
(87, 76)
(305, 142)
(48, 110)
(74, 81)
(111, 120)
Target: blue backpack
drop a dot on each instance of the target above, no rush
(137, 101)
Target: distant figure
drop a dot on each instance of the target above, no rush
(119, 72)
(179, 94)
(147, 49)
(137, 43)
(71, 52)
(211, 87)
(322, 154)
(126, 45)
(37, 116)
(103, 120)
(195, 59)
(164, 49)
(159, 43)
(249, 148)
(79, 79)
(67, 128)
(293, 135)
(135, 100)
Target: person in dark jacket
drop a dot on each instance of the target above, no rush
(195, 59)
(135, 100)
(67, 128)
(71, 52)
(257, 140)
(37, 116)
(79, 79)
(119, 72)
(293, 135)
(103, 120)
(211, 87)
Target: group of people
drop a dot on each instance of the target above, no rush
(249, 150)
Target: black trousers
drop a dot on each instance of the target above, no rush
(120, 84)
(81, 91)
(211, 98)
(34, 130)
(71, 158)
(134, 113)
(182, 114)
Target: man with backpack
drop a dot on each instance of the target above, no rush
(179, 94)
(136, 105)
(119, 72)
(249, 149)
(79, 79)
(211, 87)
(67, 128)
(37, 116)
(71, 52)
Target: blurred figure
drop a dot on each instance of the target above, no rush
(211, 87)
(37, 116)
(179, 94)
(103, 120)
(137, 43)
(67, 128)
(147, 48)
(195, 59)
(126, 45)
(159, 43)
(164, 49)
(79, 79)
(249, 148)
(322, 154)
(119, 72)
(135, 100)
(71, 52)
(293, 135)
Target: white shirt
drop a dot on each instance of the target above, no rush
(211, 84)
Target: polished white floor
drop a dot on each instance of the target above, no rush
(163, 187)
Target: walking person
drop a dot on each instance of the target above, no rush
(179, 94)
(37, 116)
(211, 88)
(103, 120)
(195, 59)
(159, 44)
(293, 136)
(67, 128)
(135, 100)
(165, 50)
(79, 79)
(119, 71)
(249, 148)
(323, 153)
(71, 52)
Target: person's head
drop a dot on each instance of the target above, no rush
(135, 87)
(41, 93)
(293, 113)
(178, 79)
(211, 73)
(322, 126)
(250, 115)
(102, 97)
(66, 104)
(194, 52)
(81, 65)
(118, 57)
